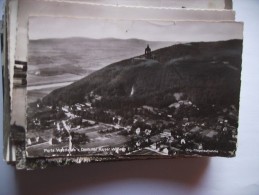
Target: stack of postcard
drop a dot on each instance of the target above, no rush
(110, 80)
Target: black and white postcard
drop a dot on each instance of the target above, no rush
(22, 9)
(102, 87)
(27, 8)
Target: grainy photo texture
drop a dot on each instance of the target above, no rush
(101, 87)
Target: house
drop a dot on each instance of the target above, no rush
(185, 120)
(35, 140)
(153, 146)
(171, 140)
(138, 143)
(155, 138)
(165, 151)
(221, 119)
(210, 134)
(166, 133)
(138, 131)
(174, 105)
(195, 129)
(148, 131)
(174, 150)
(225, 129)
(54, 141)
(183, 142)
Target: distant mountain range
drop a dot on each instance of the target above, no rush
(85, 52)
(206, 72)
(58, 60)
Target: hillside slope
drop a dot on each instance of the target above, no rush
(206, 72)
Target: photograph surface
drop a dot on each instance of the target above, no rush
(27, 8)
(101, 87)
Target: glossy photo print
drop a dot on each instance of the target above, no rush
(102, 87)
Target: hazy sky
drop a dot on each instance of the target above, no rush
(60, 27)
(76, 9)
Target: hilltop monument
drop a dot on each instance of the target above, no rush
(148, 52)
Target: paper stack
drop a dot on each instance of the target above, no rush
(108, 80)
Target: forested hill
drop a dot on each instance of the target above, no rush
(206, 72)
